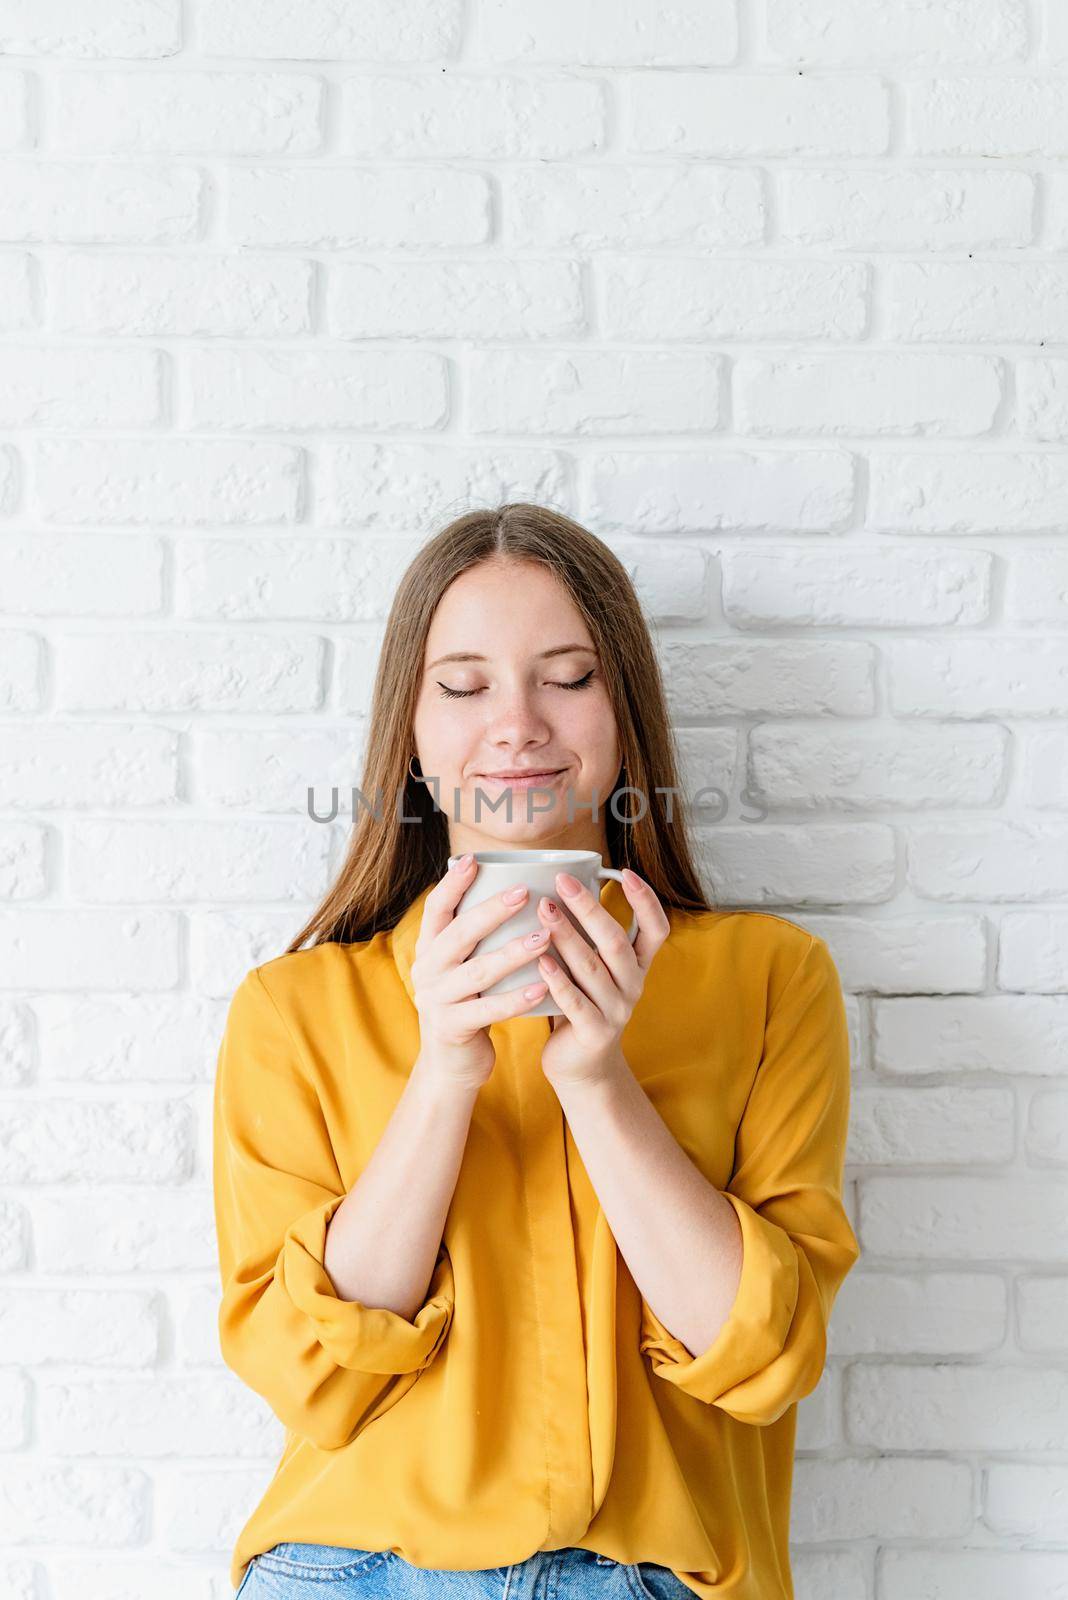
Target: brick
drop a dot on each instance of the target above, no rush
(642, 33)
(989, 1218)
(1036, 587)
(81, 574)
(580, 391)
(787, 678)
(865, 1497)
(853, 587)
(341, 580)
(778, 114)
(99, 202)
(18, 293)
(998, 677)
(123, 29)
(173, 860)
(296, 390)
(320, 30)
(58, 764)
(473, 299)
(52, 386)
(1009, 1034)
(1033, 952)
(175, 671)
(380, 210)
(932, 1126)
(69, 948)
(995, 116)
(491, 116)
(379, 486)
(184, 295)
(809, 764)
(672, 491)
(162, 481)
(1042, 398)
(883, 208)
(910, 33)
(678, 298)
(913, 1313)
(21, 670)
(867, 393)
(24, 873)
(953, 1406)
(996, 860)
(120, 1039)
(273, 771)
(969, 492)
(15, 129)
(605, 207)
(1025, 302)
(179, 113)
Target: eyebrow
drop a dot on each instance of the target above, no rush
(557, 650)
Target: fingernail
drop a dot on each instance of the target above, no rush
(568, 884)
(547, 964)
(536, 937)
(550, 908)
(512, 897)
(534, 991)
(464, 861)
(633, 880)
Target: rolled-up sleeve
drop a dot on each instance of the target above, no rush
(326, 1366)
(786, 1190)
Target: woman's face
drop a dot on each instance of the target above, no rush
(508, 712)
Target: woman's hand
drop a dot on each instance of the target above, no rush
(454, 1028)
(597, 1001)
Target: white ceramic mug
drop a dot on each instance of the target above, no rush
(497, 870)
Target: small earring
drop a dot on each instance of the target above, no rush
(411, 774)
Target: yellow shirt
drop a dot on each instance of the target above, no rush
(535, 1401)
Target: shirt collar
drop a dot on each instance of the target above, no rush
(406, 931)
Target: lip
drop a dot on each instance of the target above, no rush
(522, 780)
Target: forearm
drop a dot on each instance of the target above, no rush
(678, 1235)
(384, 1238)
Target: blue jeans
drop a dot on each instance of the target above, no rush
(332, 1572)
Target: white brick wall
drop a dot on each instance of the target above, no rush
(773, 294)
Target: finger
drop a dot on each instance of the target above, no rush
(612, 950)
(441, 902)
(577, 1007)
(490, 1008)
(481, 972)
(654, 925)
(584, 965)
(456, 933)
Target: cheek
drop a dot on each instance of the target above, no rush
(444, 730)
(590, 729)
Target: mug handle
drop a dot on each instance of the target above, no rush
(610, 872)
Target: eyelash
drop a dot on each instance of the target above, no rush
(462, 694)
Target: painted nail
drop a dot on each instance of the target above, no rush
(463, 863)
(536, 937)
(550, 907)
(568, 884)
(512, 897)
(547, 964)
(534, 991)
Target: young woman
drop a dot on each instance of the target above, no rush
(535, 1298)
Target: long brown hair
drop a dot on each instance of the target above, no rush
(389, 862)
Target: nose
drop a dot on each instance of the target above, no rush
(516, 724)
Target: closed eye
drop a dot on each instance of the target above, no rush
(462, 694)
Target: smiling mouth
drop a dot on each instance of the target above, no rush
(529, 772)
(522, 780)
